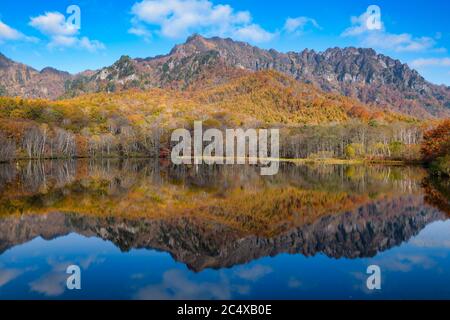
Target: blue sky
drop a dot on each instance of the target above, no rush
(37, 32)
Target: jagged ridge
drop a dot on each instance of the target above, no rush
(200, 244)
(359, 73)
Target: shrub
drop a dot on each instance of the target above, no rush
(350, 152)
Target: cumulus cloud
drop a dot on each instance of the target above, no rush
(179, 18)
(61, 33)
(359, 26)
(253, 32)
(8, 33)
(380, 38)
(298, 25)
(53, 23)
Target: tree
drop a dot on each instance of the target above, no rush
(436, 142)
(397, 149)
(33, 142)
(436, 148)
(64, 143)
(350, 152)
(7, 149)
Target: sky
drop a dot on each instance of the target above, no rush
(75, 35)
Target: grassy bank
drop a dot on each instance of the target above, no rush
(333, 161)
(327, 161)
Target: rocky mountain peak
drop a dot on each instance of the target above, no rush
(4, 61)
(17, 79)
(360, 73)
(195, 38)
(194, 44)
(53, 71)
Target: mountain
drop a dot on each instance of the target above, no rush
(262, 97)
(17, 79)
(135, 122)
(359, 73)
(203, 244)
(362, 74)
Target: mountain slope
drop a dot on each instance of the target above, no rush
(218, 245)
(371, 78)
(135, 121)
(363, 74)
(17, 79)
(360, 73)
(273, 97)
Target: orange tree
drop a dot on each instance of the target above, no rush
(436, 142)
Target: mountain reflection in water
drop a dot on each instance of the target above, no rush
(212, 217)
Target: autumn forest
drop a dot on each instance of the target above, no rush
(136, 123)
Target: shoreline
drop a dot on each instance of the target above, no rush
(328, 161)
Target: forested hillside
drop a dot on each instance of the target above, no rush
(138, 123)
(360, 73)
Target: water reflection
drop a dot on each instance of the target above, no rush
(222, 222)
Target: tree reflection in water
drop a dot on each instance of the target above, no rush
(218, 216)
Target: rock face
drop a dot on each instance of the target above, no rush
(364, 232)
(359, 73)
(373, 79)
(17, 79)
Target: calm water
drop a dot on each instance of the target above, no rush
(145, 230)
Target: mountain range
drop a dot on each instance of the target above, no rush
(373, 79)
(204, 244)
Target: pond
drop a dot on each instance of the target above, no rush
(144, 229)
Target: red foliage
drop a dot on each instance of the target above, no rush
(436, 142)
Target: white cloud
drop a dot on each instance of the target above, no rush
(90, 45)
(176, 286)
(51, 284)
(7, 275)
(63, 34)
(359, 26)
(140, 31)
(8, 33)
(433, 62)
(380, 38)
(62, 41)
(179, 18)
(253, 32)
(254, 273)
(298, 25)
(406, 262)
(398, 42)
(53, 23)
